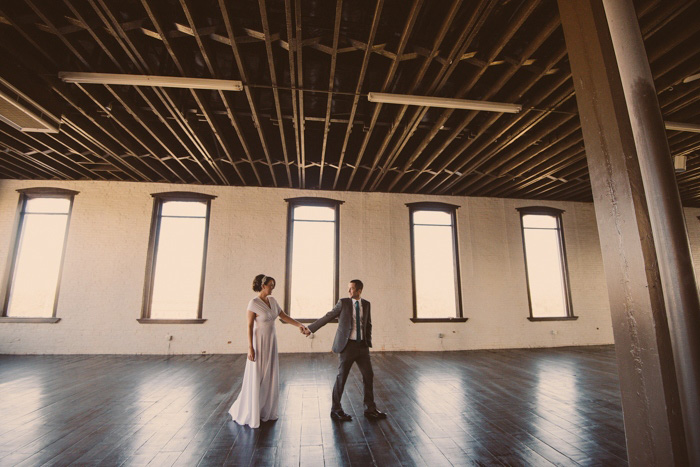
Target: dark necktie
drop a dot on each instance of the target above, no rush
(357, 321)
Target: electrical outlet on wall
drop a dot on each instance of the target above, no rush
(440, 335)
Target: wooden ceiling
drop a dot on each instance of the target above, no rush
(303, 119)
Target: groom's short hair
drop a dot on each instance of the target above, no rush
(358, 284)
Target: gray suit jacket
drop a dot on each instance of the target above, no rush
(343, 311)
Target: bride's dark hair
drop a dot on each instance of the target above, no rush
(258, 282)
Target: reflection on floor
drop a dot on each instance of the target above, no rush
(501, 407)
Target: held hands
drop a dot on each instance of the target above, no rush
(251, 354)
(304, 330)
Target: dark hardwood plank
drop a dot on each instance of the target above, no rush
(493, 407)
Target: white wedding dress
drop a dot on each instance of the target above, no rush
(259, 394)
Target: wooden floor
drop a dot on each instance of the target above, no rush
(504, 407)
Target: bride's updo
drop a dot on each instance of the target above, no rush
(260, 280)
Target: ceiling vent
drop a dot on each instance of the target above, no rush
(22, 113)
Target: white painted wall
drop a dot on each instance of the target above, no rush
(103, 274)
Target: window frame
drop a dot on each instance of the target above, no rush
(310, 201)
(158, 200)
(452, 210)
(26, 194)
(563, 263)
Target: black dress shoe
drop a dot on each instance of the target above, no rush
(374, 414)
(341, 416)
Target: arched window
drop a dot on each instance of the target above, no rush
(39, 248)
(313, 230)
(545, 264)
(177, 252)
(437, 292)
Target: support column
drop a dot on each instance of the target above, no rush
(665, 211)
(648, 383)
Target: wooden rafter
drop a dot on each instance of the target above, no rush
(358, 88)
(275, 91)
(522, 15)
(198, 97)
(469, 33)
(331, 87)
(298, 118)
(306, 67)
(244, 77)
(300, 115)
(505, 77)
(118, 32)
(405, 35)
(197, 34)
(429, 56)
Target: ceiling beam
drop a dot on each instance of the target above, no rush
(331, 88)
(119, 34)
(358, 88)
(244, 77)
(275, 91)
(514, 25)
(456, 50)
(403, 41)
(469, 33)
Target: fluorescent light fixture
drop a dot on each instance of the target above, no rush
(692, 127)
(427, 101)
(679, 163)
(690, 78)
(22, 113)
(149, 80)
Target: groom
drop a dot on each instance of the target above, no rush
(352, 342)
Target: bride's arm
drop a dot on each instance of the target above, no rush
(289, 320)
(251, 323)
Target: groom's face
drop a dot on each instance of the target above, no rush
(353, 291)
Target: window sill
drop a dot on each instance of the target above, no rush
(10, 319)
(439, 320)
(170, 321)
(555, 318)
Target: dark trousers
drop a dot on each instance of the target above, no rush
(354, 352)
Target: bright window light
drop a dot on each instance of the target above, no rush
(179, 259)
(545, 266)
(434, 264)
(313, 260)
(39, 254)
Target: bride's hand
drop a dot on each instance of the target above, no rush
(251, 354)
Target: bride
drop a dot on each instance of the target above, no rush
(259, 394)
